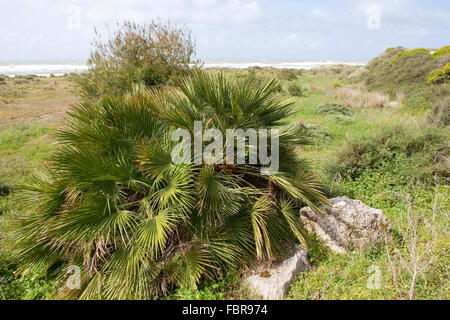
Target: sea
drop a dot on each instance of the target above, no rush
(61, 67)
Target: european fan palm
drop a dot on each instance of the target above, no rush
(139, 224)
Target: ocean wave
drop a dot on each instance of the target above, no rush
(41, 69)
(305, 65)
(47, 69)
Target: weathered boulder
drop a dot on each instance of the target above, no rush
(273, 282)
(346, 224)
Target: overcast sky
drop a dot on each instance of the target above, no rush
(231, 29)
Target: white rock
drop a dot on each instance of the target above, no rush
(347, 224)
(272, 283)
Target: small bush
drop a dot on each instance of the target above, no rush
(287, 75)
(435, 76)
(439, 75)
(153, 54)
(446, 69)
(315, 133)
(334, 109)
(295, 90)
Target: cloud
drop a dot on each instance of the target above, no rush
(11, 36)
(285, 29)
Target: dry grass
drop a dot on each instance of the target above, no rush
(43, 100)
(422, 236)
(359, 97)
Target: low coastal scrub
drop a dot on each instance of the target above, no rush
(407, 151)
(294, 89)
(287, 75)
(398, 69)
(334, 109)
(408, 53)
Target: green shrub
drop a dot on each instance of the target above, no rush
(439, 75)
(295, 89)
(334, 109)
(141, 225)
(436, 76)
(287, 74)
(315, 133)
(446, 69)
(441, 52)
(407, 151)
(153, 54)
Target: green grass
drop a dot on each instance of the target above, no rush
(23, 149)
(28, 287)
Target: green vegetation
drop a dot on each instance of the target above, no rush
(116, 203)
(154, 54)
(439, 75)
(287, 75)
(407, 53)
(444, 51)
(28, 287)
(381, 137)
(440, 114)
(334, 109)
(399, 70)
(295, 90)
(407, 151)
